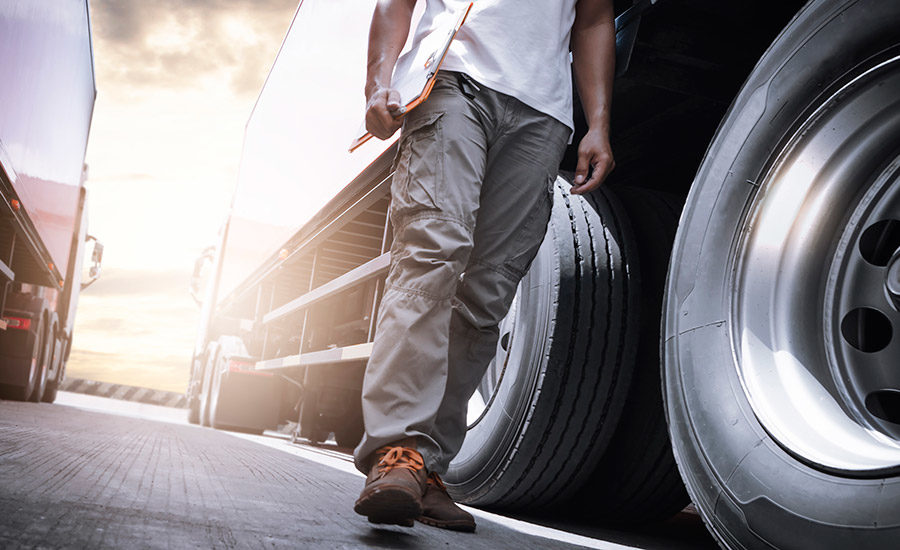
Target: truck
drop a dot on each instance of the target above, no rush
(717, 324)
(46, 106)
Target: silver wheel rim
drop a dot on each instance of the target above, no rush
(814, 318)
(484, 396)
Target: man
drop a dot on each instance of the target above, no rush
(471, 198)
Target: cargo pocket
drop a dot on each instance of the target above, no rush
(419, 169)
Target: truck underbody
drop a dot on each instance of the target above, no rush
(706, 93)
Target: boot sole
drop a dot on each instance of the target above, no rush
(389, 505)
(452, 525)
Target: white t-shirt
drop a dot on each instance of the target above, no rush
(516, 47)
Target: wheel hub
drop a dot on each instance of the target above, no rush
(816, 317)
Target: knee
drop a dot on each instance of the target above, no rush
(484, 295)
(429, 254)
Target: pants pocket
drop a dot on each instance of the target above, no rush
(419, 169)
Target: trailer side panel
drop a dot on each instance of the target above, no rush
(46, 104)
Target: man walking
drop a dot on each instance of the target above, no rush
(470, 202)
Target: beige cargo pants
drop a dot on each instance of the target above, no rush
(470, 202)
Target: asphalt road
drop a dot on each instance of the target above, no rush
(89, 472)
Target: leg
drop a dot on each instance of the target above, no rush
(435, 197)
(521, 168)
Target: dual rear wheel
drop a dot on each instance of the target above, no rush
(781, 330)
(569, 409)
(31, 357)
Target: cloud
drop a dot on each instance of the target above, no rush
(176, 43)
(177, 80)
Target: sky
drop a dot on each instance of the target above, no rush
(176, 82)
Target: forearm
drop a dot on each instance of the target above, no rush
(387, 35)
(594, 57)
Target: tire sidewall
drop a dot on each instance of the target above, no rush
(206, 386)
(746, 486)
(487, 446)
(34, 364)
(55, 364)
(43, 363)
(215, 389)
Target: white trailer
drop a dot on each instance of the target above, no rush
(46, 105)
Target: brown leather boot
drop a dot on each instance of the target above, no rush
(394, 487)
(439, 510)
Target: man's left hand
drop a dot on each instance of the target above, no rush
(594, 158)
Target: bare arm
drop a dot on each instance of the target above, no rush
(594, 57)
(388, 33)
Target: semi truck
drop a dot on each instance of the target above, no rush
(718, 323)
(46, 106)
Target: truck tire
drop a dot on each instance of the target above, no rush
(193, 416)
(212, 351)
(56, 363)
(23, 392)
(238, 401)
(554, 392)
(194, 398)
(782, 331)
(43, 365)
(349, 432)
(637, 477)
(215, 390)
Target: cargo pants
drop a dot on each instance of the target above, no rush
(470, 201)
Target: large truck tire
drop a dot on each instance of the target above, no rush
(239, 400)
(637, 480)
(193, 415)
(552, 396)
(194, 402)
(32, 366)
(349, 431)
(782, 331)
(23, 353)
(212, 351)
(56, 364)
(43, 364)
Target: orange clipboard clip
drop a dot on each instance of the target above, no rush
(433, 69)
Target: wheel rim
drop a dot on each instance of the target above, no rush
(815, 315)
(484, 396)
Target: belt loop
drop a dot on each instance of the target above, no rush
(467, 85)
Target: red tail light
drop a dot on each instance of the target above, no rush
(244, 367)
(19, 323)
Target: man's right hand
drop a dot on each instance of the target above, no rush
(384, 113)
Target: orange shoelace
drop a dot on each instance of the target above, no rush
(400, 457)
(434, 479)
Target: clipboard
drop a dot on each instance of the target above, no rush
(415, 86)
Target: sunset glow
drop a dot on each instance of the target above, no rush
(176, 82)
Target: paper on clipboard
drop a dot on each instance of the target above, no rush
(415, 85)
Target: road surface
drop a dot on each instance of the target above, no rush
(89, 472)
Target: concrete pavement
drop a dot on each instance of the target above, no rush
(112, 477)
